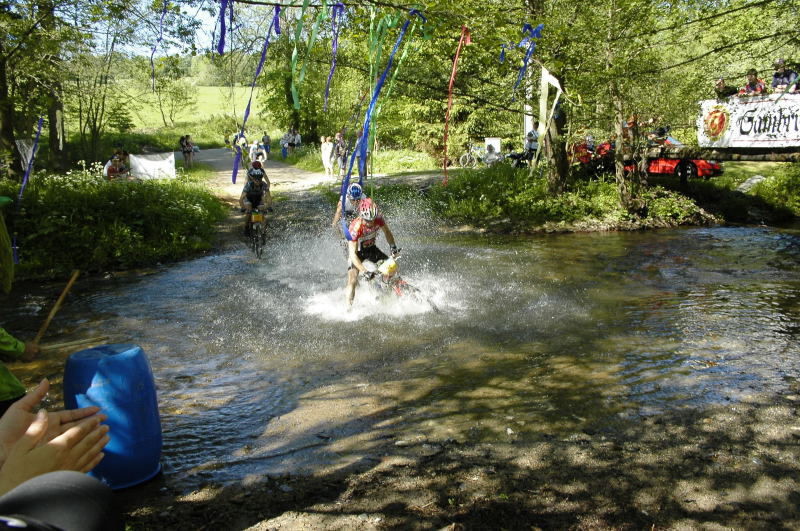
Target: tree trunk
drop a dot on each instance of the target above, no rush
(555, 150)
(9, 155)
(55, 125)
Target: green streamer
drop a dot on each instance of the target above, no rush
(297, 32)
(314, 32)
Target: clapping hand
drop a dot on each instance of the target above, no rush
(19, 417)
(78, 448)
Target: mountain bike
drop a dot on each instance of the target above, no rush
(258, 233)
(386, 279)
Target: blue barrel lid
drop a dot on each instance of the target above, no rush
(103, 351)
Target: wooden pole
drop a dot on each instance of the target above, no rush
(46, 323)
(51, 347)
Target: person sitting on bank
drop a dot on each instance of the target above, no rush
(783, 79)
(723, 90)
(754, 85)
(11, 389)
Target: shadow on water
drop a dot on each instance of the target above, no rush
(596, 355)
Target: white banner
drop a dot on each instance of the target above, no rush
(758, 122)
(157, 166)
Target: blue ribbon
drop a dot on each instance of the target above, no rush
(277, 25)
(337, 10)
(158, 41)
(25, 182)
(364, 141)
(529, 35)
(223, 6)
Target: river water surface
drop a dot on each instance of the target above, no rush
(260, 368)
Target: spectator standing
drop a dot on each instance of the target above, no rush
(783, 79)
(754, 85)
(187, 148)
(297, 140)
(266, 141)
(326, 151)
(722, 90)
(340, 152)
(286, 141)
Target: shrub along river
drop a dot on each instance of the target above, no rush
(261, 369)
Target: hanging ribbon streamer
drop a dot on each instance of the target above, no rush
(530, 34)
(465, 39)
(311, 41)
(361, 149)
(158, 41)
(223, 6)
(298, 31)
(336, 12)
(25, 182)
(277, 26)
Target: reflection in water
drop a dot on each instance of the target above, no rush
(537, 336)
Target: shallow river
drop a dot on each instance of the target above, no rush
(260, 368)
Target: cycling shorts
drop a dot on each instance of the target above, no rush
(371, 253)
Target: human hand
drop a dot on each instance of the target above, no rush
(18, 418)
(79, 448)
(368, 275)
(31, 351)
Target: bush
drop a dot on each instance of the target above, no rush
(782, 192)
(81, 221)
(504, 197)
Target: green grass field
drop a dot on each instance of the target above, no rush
(211, 101)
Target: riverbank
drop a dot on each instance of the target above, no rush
(381, 460)
(734, 467)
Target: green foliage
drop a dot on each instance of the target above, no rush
(385, 161)
(501, 197)
(81, 221)
(782, 192)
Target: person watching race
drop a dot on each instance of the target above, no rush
(361, 245)
(255, 193)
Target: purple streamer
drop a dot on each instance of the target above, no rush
(158, 41)
(25, 181)
(364, 140)
(223, 5)
(274, 24)
(530, 35)
(338, 10)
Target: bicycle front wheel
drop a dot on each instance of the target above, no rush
(466, 161)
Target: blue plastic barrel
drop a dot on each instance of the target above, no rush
(118, 379)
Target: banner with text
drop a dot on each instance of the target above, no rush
(156, 166)
(756, 122)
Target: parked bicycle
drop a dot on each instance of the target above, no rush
(474, 154)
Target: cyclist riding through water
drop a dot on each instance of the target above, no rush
(255, 192)
(361, 245)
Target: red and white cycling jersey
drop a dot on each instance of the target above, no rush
(365, 233)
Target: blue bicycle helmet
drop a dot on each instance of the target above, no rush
(355, 192)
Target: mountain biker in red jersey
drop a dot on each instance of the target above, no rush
(361, 245)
